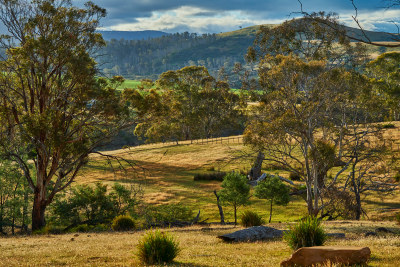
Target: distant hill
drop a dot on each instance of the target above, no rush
(148, 57)
(131, 35)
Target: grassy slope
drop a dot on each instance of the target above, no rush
(200, 247)
(166, 174)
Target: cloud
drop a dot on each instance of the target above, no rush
(383, 20)
(222, 15)
(193, 19)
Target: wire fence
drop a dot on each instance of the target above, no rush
(204, 141)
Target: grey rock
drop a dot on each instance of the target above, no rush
(252, 234)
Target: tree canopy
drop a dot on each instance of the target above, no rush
(54, 111)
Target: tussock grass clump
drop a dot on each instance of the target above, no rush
(123, 223)
(250, 218)
(157, 247)
(306, 233)
(215, 176)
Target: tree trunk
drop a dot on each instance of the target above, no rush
(255, 172)
(25, 210)
(39, 208)
(310, 207)
(270, 212)
(234, 210)
(221, 212)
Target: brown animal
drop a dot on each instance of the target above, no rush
(309, 256)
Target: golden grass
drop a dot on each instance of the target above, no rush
(200, 247)
(166, 173)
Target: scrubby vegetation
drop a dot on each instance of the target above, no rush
(307, 232)
(250, 218)
(123, 223)
(157, 247)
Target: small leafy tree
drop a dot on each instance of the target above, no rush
(273, 190)
(235, 191)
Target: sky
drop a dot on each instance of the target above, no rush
(214, 16)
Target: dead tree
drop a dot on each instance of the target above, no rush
(221, 212)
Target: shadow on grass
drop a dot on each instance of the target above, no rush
(383, 204)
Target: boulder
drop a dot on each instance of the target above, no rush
(252, 234)
(308, 256)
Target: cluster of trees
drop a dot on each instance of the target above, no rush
(188, 104)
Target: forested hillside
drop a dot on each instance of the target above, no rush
(147, 58)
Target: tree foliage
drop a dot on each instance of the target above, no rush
(314, 113)
(235, 191)
(189, 104)
(53, 107)
(273, 190)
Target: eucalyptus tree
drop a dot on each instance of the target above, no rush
(53, 107)
(189, 104)
(315, 107)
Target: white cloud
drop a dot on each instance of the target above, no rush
(193, 19)
(373, 20)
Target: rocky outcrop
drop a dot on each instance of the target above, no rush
(308, 256)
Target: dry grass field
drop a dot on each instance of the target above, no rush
(200, 247)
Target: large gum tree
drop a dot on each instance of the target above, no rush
(54, 110)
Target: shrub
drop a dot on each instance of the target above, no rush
(93, 205)
(250, 218)
(306, 233)
(398, 218)
(294, 176)
(215, 176)
(123, 223)
(157, 248)
(388, 126)
(397, 177)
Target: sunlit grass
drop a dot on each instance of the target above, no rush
(200, 247)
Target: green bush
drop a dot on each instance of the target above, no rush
(250, 218)
(157, 248)
(123, 223)
(388, 126)
(398, 218)
(397, 177)
(294, 176)
(215, 176)
(93, 205)
(307, 233)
